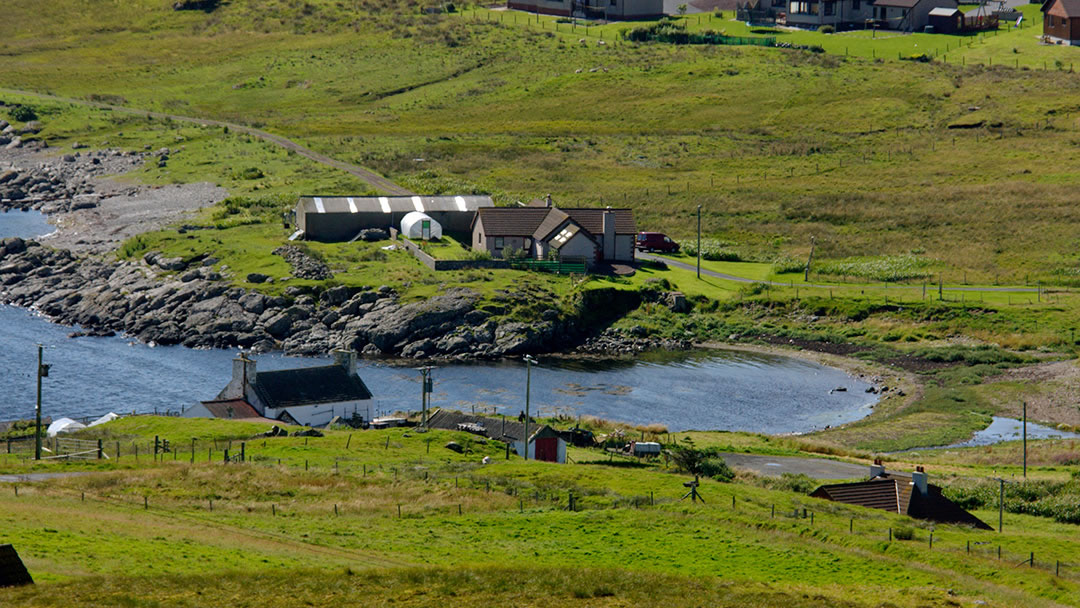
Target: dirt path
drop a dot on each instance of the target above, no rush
(373, 179)
(816, 468)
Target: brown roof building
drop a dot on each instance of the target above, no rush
(543, 231)
(1061, 21)
(907, 494)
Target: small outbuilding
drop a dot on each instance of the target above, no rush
(13, 572)
(417, 225)
(546, 444)
(946, 20)
(904, 493)
(1061, 21)
(64, 425)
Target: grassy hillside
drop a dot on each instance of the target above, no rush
(149, 531)
(777, 145)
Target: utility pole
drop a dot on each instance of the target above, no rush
(1025, 440)
(529, 361)
(1001, 504)
(42, 372)
(810, 260)
(426, 388)
(699, 242)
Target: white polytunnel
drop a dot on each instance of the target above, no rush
(417, 225)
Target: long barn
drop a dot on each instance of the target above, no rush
(340, 218)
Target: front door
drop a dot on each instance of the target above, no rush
(547, 449)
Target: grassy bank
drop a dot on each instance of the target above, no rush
(380, 499)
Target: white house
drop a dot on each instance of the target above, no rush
(310, 396)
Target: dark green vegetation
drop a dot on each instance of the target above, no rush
(374, 517)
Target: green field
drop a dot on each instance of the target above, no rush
(355, 507)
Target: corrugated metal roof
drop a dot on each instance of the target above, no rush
(875, 494)
(392, 204)
(309, 386)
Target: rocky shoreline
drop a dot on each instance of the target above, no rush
(159, 300)
(165, 301)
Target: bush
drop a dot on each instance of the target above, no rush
(249, 173)
(904, 533)
(786, 264)
(23, 113)
(713, 250)
(827, 29)
(701, 462)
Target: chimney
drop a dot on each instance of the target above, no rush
(547, 201)
(346, 359)
(609, 234)
(243, 376)
(919, 479)
(877, 469)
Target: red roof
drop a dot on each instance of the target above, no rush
(237, 409)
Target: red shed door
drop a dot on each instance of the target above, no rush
(547, 449)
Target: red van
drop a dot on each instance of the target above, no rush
(656, 241)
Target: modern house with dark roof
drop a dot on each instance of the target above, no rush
(545, 443)
(1061, 21)
(903, 15)
(311, 396)
(907, 494)
(340, 218)
(543, 231)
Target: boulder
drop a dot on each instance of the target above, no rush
(257, 277)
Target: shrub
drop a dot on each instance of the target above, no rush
(887, 268)
(249, 173)
(23, 113)
(827, 29)
(712, 249)
(904, 533)
(702, 462)
(786, 264)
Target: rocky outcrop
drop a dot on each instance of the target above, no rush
(303, 265)
(57, 187)
(167, 301)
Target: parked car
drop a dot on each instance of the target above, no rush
(656, 241)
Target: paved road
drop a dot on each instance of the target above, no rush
(730, 277)
(30, 477)
(817, 468)
(373, 179)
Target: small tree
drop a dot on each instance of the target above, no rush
(682, 9)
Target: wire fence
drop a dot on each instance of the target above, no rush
(823, 522)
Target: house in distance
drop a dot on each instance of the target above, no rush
(1061, 21)
(904, 493)
(310, 396)
(542, 231)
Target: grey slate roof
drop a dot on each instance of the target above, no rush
(592, 220)
(512, 221)
(309, 386)
(392, 204)
(493, 427)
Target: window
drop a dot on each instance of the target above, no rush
(498, 242)
(830, 8)
(856, 5)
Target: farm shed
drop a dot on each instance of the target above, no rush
(1061, 21)
(907, 494)
(616, 10)
(12, 571)
(546, 444)
(946, 20)
(340, 218)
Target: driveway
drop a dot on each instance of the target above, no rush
(31, 477)
(816, 468)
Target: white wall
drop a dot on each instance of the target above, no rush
(319, 415)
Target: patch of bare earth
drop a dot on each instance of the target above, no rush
(1051, 391)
